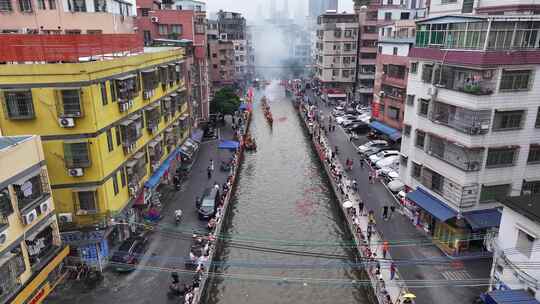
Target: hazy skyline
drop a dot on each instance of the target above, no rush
(249, 7)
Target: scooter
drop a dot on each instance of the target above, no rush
(177, 183)
(178, 216)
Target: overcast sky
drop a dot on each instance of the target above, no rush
(249, 7)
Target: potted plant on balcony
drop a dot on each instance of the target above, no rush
(472, 88)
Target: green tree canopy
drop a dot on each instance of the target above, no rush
(225, 101)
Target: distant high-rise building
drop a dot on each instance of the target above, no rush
(319, 7)
(285, 11)
(330, 5)
(272, 9)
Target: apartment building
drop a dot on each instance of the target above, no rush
(336, 54)
(477, 7)
(232, 27)
(471, 126)
(31, 252)
(515, 249)
(170, 22)
(388, 106)
(67, 16)
(222, 63)
(106, 126)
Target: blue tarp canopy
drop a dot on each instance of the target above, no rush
(482, 219)
(392, 133)
(510, 296)
(431, 204)
(156, 177)
(243, 106)
(197, 135)
(229, 145)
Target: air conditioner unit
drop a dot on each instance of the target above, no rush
(432, 91)
(45, 207)
(484, 126)
(3, 237)
(66, 122)
(65, 217)
(527, 192)
(146, 95)
(155, 19)
(132, 190)
(30, 216)
(76, 172)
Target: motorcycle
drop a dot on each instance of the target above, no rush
(176, 289)
(176, 182)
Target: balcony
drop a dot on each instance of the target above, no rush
(464, 120)
(394, 93)
(473, 82)
(66, 48)
(394, 81)
(32, 191)
(455, 154)
(460, 196)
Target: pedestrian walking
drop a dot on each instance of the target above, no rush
(336, 150)
(369, 236)
(209, 171)
(361, 207)
(371, 217)
(376, 176)
(385, 213)
(212, 165)
(370, 177)
(392, 270)
(392, 210)
(355, 185)
(385, 249)
(361, 164)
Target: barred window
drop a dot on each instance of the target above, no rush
(77, 155)
(508, 120)
(492, 193)
(19, 104)
(501, 157)
(5, 5)
(515, 80)
(427, 73)
(416, 171)
(534, 154)
(25, 5)
(6, 208)
(87, 201)
(71, 103)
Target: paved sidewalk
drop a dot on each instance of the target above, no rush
(169, 246)
(424, 268)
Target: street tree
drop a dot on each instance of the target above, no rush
(225, 101)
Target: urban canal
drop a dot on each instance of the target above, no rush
(287, 239)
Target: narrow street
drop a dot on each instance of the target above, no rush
(400, 229)
(169, 245)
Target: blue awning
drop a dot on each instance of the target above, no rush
(229, 145)
(511, 296)
(392, 133)
(431, 204)
(156, 177)
(243, 107)
(482, 219)
(197, 135)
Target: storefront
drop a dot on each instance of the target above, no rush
(90, 247)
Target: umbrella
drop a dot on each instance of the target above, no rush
(347, 204)
(409, 296)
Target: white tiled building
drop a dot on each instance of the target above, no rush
(471, 125)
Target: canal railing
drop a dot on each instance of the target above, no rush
(219, 225)
(377, 269)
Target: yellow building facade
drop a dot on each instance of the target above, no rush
(106, 126)
(31, 251)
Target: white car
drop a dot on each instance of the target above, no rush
(388, 161)
(396, 186)
(362, 109)
(387, 170)
(342, 119)
(372, 144)
(383, 154)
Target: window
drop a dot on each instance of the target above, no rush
(5, 6)
(530, 187)
(410, 99)
(405, 16)
(537, 123)
(52, 4)
(176, 29)
(70, 103)
(406, 130)
(393, 113)
(19, 104)
(337, 33)
(427, 73)
(72, 32)
(380, 49)
(77, 5)
(114, 178)
(348, 33)
(110, 144)
(416, 171)
(30, 191)
(87, 201)
(76, 155)
(493, 193)
(100, 5)
(424, 107)
(6, 208)
(524, 243)
(420, 139)
(534, 154)
(25, 5)
(163, 30)
(214, 55)
(335, 72)
(394, 51)
(508, 120)
(145, 12)
(118, 136)
(345, 73)
(123, 177)
(387, 16)
(414, 67)
(41, 4)
(501, 157)
(347, 47)
(515, 80)
(104, 99)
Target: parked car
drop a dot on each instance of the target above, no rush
(371, 145)
(396, 186)
(343, 118)
(388, 161)
(381, 155)
(366, 117)
(362, 109)
(209, 203)
(386, 171)
(358, 127)
(129, 253)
